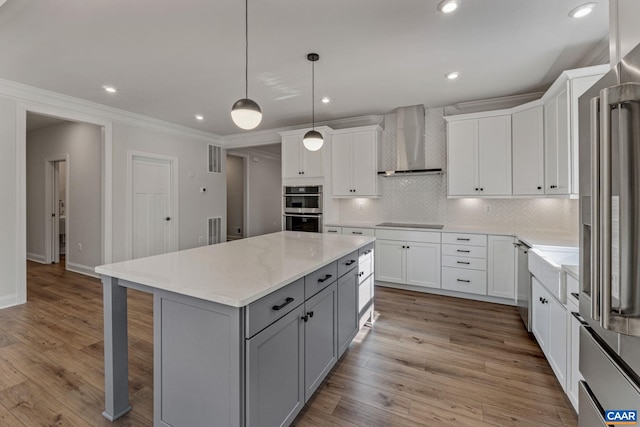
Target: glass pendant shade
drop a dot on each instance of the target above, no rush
(313, 140)
(246, 114)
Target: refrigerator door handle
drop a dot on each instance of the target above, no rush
(595, 209)
(605, 208)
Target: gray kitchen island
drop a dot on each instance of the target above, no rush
(245, 331)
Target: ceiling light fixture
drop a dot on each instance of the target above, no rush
(110, 89)
(313, 139)
(452, 75)
(199, 117)
(246, 113)
(582, 10)
(448, 6)
(326, 100)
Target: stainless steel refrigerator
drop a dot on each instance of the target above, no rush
(609, 152)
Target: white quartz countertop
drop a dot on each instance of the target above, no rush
(531, 236)
(240, 272)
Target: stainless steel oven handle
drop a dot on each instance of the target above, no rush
(595, 209)
(304, 215)
(605, 208)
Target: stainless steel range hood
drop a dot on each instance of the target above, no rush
(410, 144)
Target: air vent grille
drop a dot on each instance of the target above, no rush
(214, 230)
(215, 157)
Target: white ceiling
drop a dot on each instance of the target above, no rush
(173, 59)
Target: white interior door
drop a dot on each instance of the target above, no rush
(153, 222)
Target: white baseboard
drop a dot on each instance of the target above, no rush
(8, 301)
(36, 257)
(82, 269)
(484, 298)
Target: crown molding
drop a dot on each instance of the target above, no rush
(598, 55)
(481, 105)
(29, 94)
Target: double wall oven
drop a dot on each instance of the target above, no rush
(303, 208)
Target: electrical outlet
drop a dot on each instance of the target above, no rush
(360, 206)
(200, 239)
(238, 230)
(487, 208)
(79, 247)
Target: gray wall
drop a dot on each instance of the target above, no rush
(194, 207)
(235, 196)
(265, 196)
(8, 220)
(82, 143)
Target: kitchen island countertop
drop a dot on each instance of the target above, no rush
(240, 272)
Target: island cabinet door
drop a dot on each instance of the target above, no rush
(321, 343)
(275, 372)
(347, 310)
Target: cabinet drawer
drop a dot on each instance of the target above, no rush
(365, 268)
(268, 309)
(461, 280)
(464, 262)
(465, 239)
(320, 279)
(365, 294)
(465, 251)
(408, 236)
(347, 263)
(358, 231)
(333, 230)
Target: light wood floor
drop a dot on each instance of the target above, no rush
(429, 361)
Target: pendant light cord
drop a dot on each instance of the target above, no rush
(313, 95)
(246, 48)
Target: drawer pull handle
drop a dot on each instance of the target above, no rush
(328, 276)
(463, 251)
(464, 280)
(356, 232)
(367, 252)
(351, 261)
(464, 262)
(332, 231)
(286, 302)
(464, 239)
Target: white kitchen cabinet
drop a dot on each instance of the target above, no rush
(297, 161)
(479, 156)
(561, 138)
(354, 161)
(501, 267)
(408, 262)
(358, 231)
(549, 318)
(573, 348)
(528, 150)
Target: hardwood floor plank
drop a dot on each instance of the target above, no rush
(7, 419)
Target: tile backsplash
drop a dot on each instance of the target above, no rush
(423, 199)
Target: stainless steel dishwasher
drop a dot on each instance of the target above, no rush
(523, 287)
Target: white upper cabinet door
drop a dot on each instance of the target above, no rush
(423, 264)
(312, 162)
(563, 182)
(550, 146)
(462, 137)
(528, 152)
(494, 155)
(342, 164)
(291, 165)
(365, 163)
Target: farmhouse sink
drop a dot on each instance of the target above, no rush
(545, 263)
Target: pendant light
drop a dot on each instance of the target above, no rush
(313, 140)
(246, 113)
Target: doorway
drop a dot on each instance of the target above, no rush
(153, 213)
(236, 185)
(56, 201)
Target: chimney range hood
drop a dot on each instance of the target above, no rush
(410, 144)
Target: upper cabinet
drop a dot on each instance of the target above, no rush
(528, 150)
(479, 155)
(354, 161)
(297, 161)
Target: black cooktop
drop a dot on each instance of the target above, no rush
(402, 225)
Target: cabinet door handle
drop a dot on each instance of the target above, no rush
(476, 189)
(168, 218)
(326, 277)
(356, 232)
(310, 314)
(464, 262)
(367, 252)
(464, 280)
(351, 261)
(305, 318)
(539, 188)
(463, 251)
(553, 186)
(464, 239)
(286, 302)
(481, 189)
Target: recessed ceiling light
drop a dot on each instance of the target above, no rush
(199, 117)
(326, 99)
(582, 10)
(110, 89)
(452, 75)
(448, 6)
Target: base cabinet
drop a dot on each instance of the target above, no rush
(413, 263)
(501, 267)
(275, 359)
(347, 310)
